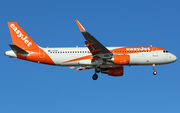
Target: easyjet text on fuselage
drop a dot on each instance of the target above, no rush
(138, 49)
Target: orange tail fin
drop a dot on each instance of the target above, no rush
(20, 38)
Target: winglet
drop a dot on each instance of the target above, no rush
(80, 26)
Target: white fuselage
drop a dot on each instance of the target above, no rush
(77, 57)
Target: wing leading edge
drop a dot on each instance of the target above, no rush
(95, 47)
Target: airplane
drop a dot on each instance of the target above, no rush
(107, 60)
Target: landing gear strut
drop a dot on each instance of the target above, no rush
(95, 76)
(97, 69)
(154, 72)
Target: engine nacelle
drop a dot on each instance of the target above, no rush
(121, 59)
(118, 71)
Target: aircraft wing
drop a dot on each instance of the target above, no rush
(95, 47)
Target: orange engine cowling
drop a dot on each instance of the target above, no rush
(118, 71)
(121, 59)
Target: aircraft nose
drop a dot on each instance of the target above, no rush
(173, 58)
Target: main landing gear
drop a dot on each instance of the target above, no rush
(95, 76)
(154, 72)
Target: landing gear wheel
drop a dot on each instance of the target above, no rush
(95, 77)
(155, 72)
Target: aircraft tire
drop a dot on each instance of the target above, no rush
(155, 72)
(95, 77)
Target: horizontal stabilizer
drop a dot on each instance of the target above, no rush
(79, 68)
(17, 49)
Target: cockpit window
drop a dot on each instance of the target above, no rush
(165, 51)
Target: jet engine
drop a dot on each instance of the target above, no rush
(118, 71)
(121, 59)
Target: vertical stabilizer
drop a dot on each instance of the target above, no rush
(20, 38)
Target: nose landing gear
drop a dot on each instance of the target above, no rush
(154, 72)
